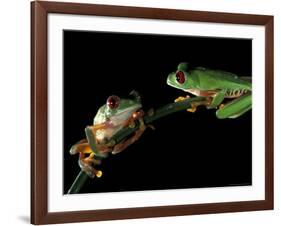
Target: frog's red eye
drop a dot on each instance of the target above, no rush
(113, 102)
(180, 77)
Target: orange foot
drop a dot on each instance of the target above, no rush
(192, 109)
(182, 98)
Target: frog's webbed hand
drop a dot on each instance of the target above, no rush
(193, 107)
(86, 158)
(136, 95)
(181, 98)
(131, 122)
(124, 144)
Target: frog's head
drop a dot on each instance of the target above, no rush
(116, 106)
(179, 78)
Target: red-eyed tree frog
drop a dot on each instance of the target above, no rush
(113, 116)
(217, 86)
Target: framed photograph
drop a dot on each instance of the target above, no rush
(147, 112)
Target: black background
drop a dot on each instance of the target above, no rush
(187, 150)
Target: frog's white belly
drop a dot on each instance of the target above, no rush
(107, 133)
(202, 93)
(211, 93)
(113, 124)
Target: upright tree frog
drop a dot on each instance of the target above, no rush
(217, 86)
(110, 118)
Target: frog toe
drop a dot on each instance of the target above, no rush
(181, 98)
(193, 108)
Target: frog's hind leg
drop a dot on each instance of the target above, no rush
(79, 147)
(86, 158)
(181, 98)
(242, 112)
(235, 108)
(87, 165)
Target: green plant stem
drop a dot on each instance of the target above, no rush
(159, 113)
(125, 132)
(78, 183)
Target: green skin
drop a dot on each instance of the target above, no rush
(218, 85)
(107, 122)
(115, 119)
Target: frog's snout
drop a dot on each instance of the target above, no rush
(171, 80)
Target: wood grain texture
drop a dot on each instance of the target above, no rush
(269, 113)
(39, 109)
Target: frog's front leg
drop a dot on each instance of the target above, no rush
(235, 108)
(131, 122)
(193, 107)
(124, 144)
(181, 98)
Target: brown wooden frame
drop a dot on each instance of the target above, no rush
(39, 106)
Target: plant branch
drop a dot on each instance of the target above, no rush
(159, 113)
(78, 183)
